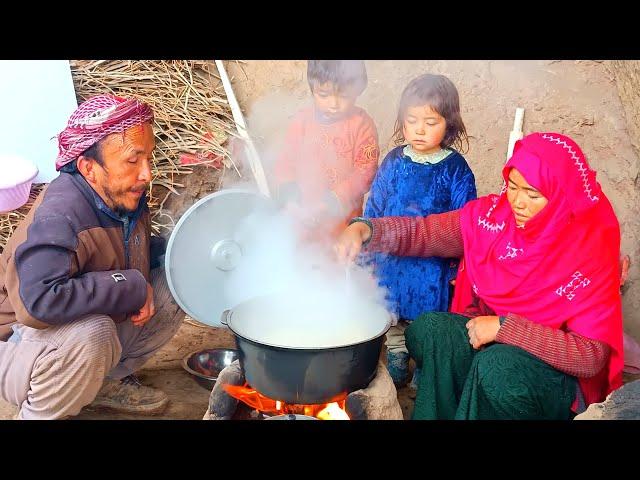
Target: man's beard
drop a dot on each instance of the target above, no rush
(117, 207)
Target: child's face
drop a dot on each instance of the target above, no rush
(424, 129)
(332, 103)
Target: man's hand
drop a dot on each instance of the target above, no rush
(350, 241)
(147, 311)
(482, 330)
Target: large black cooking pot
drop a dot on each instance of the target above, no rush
(301, 356)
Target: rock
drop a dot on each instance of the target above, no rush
(379, 401)
(621, 404)
(593, 412)
(222, 406)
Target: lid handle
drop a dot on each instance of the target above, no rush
(224, 318)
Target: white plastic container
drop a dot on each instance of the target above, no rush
(16, 177)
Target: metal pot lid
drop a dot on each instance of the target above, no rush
(203, 251)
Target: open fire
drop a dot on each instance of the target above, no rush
(378, 401)
(332, 410)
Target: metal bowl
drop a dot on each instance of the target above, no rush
(206, 365)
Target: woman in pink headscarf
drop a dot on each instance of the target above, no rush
(542, 337)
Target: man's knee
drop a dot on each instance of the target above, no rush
(169, 316)
(95, 340)
(67, 377)
(161, 292)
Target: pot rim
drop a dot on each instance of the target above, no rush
(226, 320)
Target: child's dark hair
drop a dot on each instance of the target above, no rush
(441, 95)
(346, 75)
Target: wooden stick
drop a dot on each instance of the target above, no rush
(252, 153)
(516, 134)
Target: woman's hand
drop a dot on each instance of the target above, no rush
(483, 330)
(350, 241)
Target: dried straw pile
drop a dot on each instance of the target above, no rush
(191, 117)
(9, 221)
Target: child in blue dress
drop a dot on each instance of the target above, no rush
(423, 175)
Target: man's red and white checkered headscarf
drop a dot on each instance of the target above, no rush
(96, 118)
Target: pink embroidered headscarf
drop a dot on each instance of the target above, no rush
(561, 269)
(96, 118)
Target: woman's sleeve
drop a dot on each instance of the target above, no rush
(437, 235)
(568, 352)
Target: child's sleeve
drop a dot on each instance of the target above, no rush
(365, 162)
(463, 187)
(463, 190)
(379, 191)
(376, 203)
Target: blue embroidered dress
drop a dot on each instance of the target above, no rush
(411, 184)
